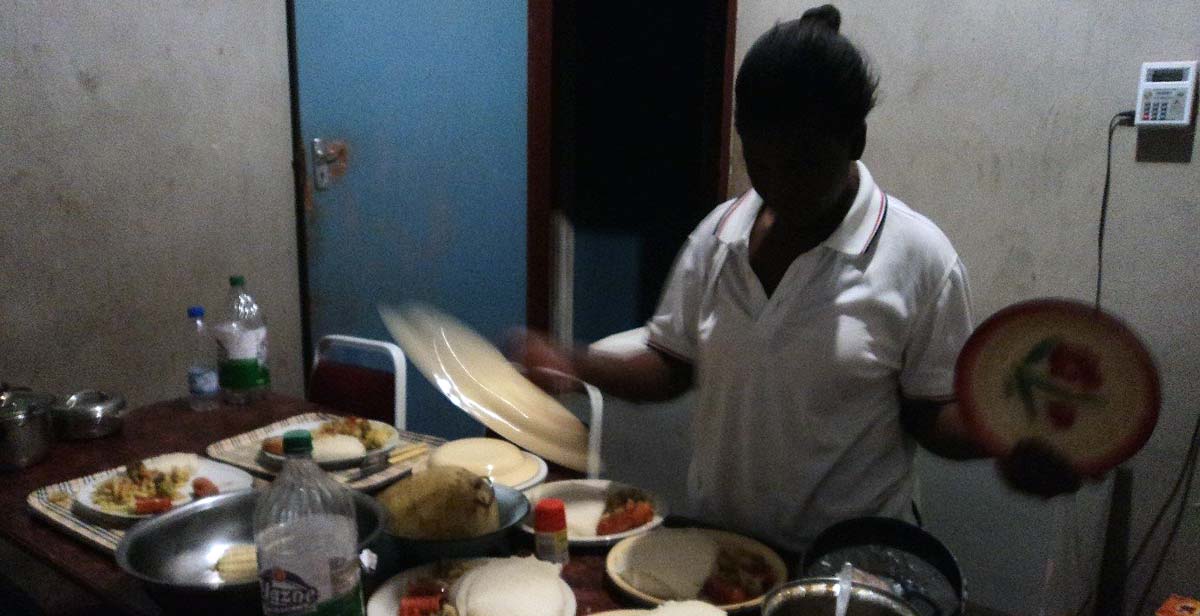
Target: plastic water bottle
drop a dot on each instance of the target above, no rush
(204, 392)
(242, 341)
(305, 538)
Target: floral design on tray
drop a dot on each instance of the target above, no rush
(1057, 378)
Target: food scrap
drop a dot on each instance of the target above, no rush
(238, 564)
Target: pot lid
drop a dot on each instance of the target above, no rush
(90, 403)
(477, 378)
(21, 404)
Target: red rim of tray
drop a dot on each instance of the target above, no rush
(996, 444)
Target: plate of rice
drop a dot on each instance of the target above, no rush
(339, 443)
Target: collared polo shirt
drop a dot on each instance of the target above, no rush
(797, 422)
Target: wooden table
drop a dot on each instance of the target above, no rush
(165, 427)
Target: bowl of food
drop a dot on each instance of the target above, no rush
(199, 558)
(447, 512)
(476, 587)
(725, 569)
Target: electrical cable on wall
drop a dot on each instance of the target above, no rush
(1187, 473)
(1124, 118)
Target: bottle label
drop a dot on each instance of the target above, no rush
(243, 358)
(203, 382)
(284, 592)
(307, 566)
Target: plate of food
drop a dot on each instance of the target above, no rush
(337, 443)
(600, 512)
(730, 571)
(1063, 373)
(148, 487)
(476, 587)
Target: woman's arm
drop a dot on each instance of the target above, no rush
(645, 375)
(1031, 466)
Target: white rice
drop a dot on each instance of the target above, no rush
(337, 447)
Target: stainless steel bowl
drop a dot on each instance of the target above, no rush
(818, 597)
(89, 414)
(24, 428)
(174, 553)
(397, 553)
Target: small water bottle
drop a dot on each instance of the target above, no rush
(242, 341)
(306, 539)
(203, 389)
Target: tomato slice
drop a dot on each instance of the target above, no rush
(152, 505)
(203, 486)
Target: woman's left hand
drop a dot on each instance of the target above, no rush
(1035, 468)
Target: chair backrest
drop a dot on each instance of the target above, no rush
(360, 390)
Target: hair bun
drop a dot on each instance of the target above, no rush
(825, 15)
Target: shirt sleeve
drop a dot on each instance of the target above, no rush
(937, 337)
(673, 328)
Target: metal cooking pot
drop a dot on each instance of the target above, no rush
(89, 414)
(173, 554)
(915, 564)
(818, 597)
(24, 428)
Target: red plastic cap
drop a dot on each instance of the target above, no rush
(549, 516)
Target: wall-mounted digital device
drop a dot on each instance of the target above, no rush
(1166, 94)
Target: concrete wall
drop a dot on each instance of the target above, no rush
(144, 156)
(992, 121)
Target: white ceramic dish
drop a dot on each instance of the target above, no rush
(385, 601)
(618, 562)
(227, 479)
(277, 460)
(584, 501)
(477, 378)
(495, 458)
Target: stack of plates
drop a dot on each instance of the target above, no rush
(502, 461)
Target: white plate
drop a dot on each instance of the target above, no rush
(585, 497)
(227, 479)
(504, 462)
(537, 477)
(385, 601)
(477, 378)
(617, 562)
(277, 460)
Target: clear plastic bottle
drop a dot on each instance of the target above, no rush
(305, 537)
(204, 391)
(242, 340)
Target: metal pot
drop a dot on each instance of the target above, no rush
(24, 428)
(173, 554)
(89, 414)
(818, 597)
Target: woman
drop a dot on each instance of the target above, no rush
(818, 317)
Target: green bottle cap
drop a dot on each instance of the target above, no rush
(297, 442)
(237, 281)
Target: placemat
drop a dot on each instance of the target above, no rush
(242, 451)
(56, 504)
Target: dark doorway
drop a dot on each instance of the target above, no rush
(638, 122)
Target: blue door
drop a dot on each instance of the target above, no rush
(430, 99)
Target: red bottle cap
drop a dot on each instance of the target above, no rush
(549, 516)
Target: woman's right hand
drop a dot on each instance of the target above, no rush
(547, 364)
